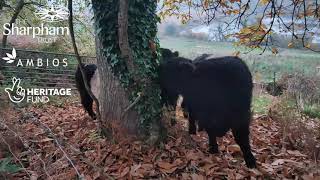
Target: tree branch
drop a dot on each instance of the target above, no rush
(124, 46)
(2, 122)
(84, 77)
(18, 9)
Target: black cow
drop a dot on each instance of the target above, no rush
(167, 53)
(217, 93)
(91, 73)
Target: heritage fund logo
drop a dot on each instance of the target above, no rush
(45, 32)
(39, 62)
(17, 93)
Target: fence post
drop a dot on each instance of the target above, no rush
(274, 82)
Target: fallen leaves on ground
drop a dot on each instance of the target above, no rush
(177, 158)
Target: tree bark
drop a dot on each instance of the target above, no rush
(123, 36)
(129, 92)
(113, 97)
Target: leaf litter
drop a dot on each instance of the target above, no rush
(179, 157)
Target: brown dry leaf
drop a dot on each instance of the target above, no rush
(264, 2)
(166, 167)
(134, 171)
(197, 177)
(34, 175)
(296, 153)
(194, 155)
(310, 177)
(308, 45)
(185, 175)
(278, 162)
(124, 172)
(274, 50)
(255, 172)
(46, 140)
(233, 149)
(267, 167)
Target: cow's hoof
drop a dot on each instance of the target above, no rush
(192, 131)
(251, 163)
(200, 129)
(213, 150)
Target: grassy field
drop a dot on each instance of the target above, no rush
(263, 66)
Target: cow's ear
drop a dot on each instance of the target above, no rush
(176, 54)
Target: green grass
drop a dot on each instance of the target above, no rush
(287, 61)
(7, 166)
(260, 104)
(312, 111)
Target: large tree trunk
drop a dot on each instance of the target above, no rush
(113, 97)
(129, 93)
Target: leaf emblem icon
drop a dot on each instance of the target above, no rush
(10, 57)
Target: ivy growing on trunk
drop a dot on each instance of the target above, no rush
(142, 29)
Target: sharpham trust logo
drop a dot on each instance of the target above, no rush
(45, 32)
(54, 13)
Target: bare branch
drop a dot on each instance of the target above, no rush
(84, 77)
(9, 148)
(48, 131)
(132, 104)
(2, 121)
(60, 141)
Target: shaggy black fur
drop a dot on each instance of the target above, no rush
(167, 53)
(217, 93)
(86, 100)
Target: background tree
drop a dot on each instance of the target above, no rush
(129, 94)
(300, 18)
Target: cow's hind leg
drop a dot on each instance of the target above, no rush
(241, 136)
(213, 145)
(87, 103)
(192, 123)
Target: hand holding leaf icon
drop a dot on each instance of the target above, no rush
(16, 93)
